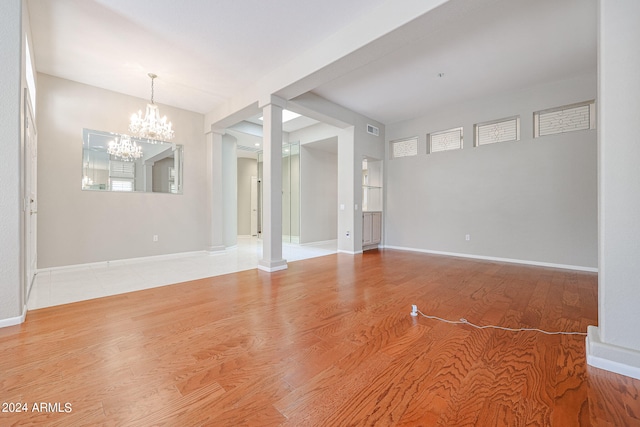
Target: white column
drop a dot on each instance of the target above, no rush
(615, 343)
(216, 239)
(347, 234)
(272, 186)
(229, 191)
(12, 306)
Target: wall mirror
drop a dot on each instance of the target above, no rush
(118, 162)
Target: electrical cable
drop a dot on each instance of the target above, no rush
(463, 321)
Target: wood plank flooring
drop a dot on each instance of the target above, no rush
(328, 342)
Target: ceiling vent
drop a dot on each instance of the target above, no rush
(373, 130)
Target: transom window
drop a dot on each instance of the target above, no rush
(445, 140)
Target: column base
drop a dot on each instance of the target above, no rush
(271, 266)
(610, 357)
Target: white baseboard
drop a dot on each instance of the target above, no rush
(623, 361)
(497, 259)
(320, 243)
(342, 251)
(271, 266)
(123, 261)
(12, 321)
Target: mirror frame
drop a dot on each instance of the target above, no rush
(94, 141)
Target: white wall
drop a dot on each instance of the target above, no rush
(615, 343)
(230, 190)
(532, 200)
(75, 226)
(319, 195)
(11, 301)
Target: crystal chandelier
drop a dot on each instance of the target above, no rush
(152, 126)
(124, 149)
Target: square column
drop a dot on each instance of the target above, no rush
(272, 186)
(349, 237)
(214, 151)
(614, 344)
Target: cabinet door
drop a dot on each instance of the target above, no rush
(366, 228)
(376, 227)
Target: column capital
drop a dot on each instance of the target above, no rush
(272, 100)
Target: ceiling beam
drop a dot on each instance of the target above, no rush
(386, 28)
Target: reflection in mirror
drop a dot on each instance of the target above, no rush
(116, 162)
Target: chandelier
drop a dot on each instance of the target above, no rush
(124, 149)
(152, 126)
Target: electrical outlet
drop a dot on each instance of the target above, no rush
(467, 237)
(155, 237)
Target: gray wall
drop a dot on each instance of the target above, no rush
(75, 226)
(319, 198)
(246, 169)
(531, 200)
(11, 301)
(160, 174)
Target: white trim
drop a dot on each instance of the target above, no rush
(12, 321)
(123, 261)
(623, 361)
(342, 251)
(271, 266)
(214, 250)
(498, 259)
(320, 243)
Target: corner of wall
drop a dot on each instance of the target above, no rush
(609, 357)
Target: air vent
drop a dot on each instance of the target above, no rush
(373, 130)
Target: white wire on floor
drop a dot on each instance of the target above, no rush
(463, 321)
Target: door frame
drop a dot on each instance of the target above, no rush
(30, 199)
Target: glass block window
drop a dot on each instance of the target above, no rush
(568, 118)
(404, 148)
(446, 140)
(502, 130)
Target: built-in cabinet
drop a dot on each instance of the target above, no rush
(371, 203)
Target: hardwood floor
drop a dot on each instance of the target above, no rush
(327, 342)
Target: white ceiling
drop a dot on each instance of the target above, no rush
(206, 52)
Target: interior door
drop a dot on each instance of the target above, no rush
(30, 168)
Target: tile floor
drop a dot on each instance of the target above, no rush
(77, 283)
